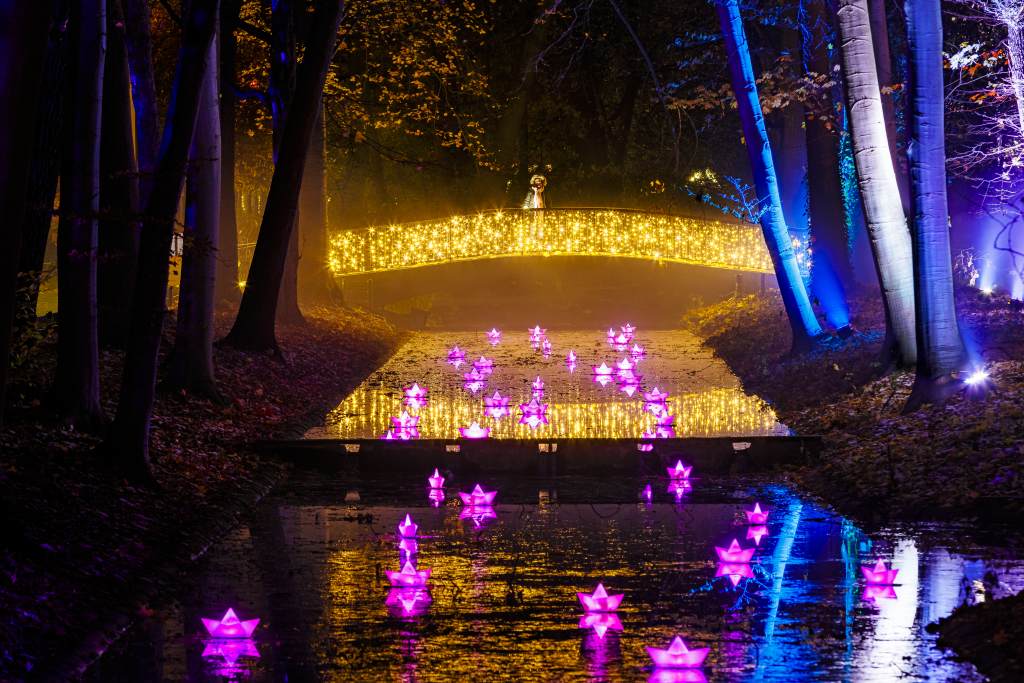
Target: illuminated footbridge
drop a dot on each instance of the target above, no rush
(551, 232)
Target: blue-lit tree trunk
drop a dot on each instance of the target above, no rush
(138, 44)
(23, 28)
(879, 191)
(254, 326)
(77, 382)
(776, 235)
(127, 443)
(940, 350)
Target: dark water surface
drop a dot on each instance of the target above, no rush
(310, 563)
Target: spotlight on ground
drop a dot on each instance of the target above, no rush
(976, 378)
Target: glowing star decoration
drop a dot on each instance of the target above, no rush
(536, 334)
(735, 571)
(756, 533)
(483, 365)
(456, 355)
(496, 406)
(679, 488)
(874, 593)
(534, 413)
(645, 447)
(654, 408)
(625, 364)
(757, 516)
(628, 330)
(545, 347)
(601, 622)
(638, 352)
(734, 554)
(406, 528)
(230, 626)
(405, 426)
(655, 396)
(494, 336)
(570, 358)
(603, 380)
(407, 547)
(678, 656)
(538, 386)
(436, 497)
(230, 650)
(408, 602)
(679, 471)
(622, 340)
(416, 391)
(435, 480)
(879, 575)
(611, 335)
(478, 497)
(480, 515)
(602, 374)
(409, 577)
(474, 431)
(599, 600)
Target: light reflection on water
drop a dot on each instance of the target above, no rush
(503, 597)
(705, 397)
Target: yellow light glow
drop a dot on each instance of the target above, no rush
(550, 232)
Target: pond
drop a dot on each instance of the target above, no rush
(501, 602)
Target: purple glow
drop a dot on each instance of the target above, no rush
(678, 656)
(494, 336)
(647, 494)
(976, 378)
(478, 497)
(679, 471)
(665, 432)
(480, 514)
(230, 650)
(645, 447)
(536, 334)
(599, 600)
(622, 339)
(538, 387)
(456, 354)
(406, 528)
(638, 352)
(534, 409)
(415, 403)
(879, 575)
(611, 335)
(436, 497)
(655, 396)
(474, 375)
(874, 593)
(628, 330)
(545, 347)
(570, 358)
(735, 572)
(603, 380)
(496, 406)
(405, 420)
(533, 421)
(409, 577)
(654, 408)
(666, 420)
(601, 622)
(483, 364)
(677, 676)
(410, 602)
(602, 370)
(757, 516)
(625, 364)
(473, 387)
(475, 431)
(416, 391)
(734, 554)
(629, 388)
(755, 533)
(679, 488)
(407, 547)
(230, 626)
(435, 480)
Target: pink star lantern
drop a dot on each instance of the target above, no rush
(628, 329)
(496, 406)
(603, 380)
(637, 352)
(435, 480)
(230, 650)
(411, 601)
(494, 336)
(436, 497)
(678, 656)
(755, 533)
(479, 514)
(611, 335)
(389, 435)
(533, 421)
(534, 407)
(416, 391)
(230, 626)
(629, 388)
(536, 333)
(602, 370)
(409, 577)
(407, 547)
(545, 347)
(679, 488)
(666, 432)
(879, 575)
(474, 375)
(570, 358)
(483, 365)
(625, 364)
(734, 554)
(405, 420)
(474, 431)
(601, 622)
(655, 396)
(680, 471)
(874, 593)
(478, 497)
(456, 354)
(473, 387)
(406, 528)
(757, 516)
(622, 339)
(538, 386)
(599, 600)
(735, 572)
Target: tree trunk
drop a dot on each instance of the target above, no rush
(831, 274)
(886, 222)
(227, 243)
(138, 44)
(23, 28)
(940, 350)
(883, 62)
(128, 442)
(77, 384)
(47, 144)
(191, 361)
(791, 285)
(314, 276)
(119, 190)
(254, 326)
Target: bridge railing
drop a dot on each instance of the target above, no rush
(550, 232)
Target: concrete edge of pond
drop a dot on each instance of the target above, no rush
(710, 455)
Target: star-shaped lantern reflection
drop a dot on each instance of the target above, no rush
(534, 413)
(679, 470)
(601, 622)
(480, 515)
(408, 602)
(756, 533)
(494, 336)
(409, 577)
(735, 571)
(456, 355)
(230, 650)
(757, 516)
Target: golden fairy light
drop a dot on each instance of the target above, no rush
(550, 232)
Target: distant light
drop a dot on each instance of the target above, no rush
(241, 284)
(976, 378)
(987, 290)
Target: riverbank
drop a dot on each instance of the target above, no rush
(961, 460)
(80, 551)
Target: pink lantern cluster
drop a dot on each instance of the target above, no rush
(409, 595)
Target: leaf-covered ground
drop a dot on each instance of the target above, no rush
(79, 547)
(989, 635)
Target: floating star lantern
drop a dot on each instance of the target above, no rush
(407, 548)
(629, 387)
(478, 497)
(611, 335)
(536, 334)
(406, 528)
(757, 516)
(735, 571)
(678, 656)
(474, 431)
(409, 577)
(601, 622)
(538, 387)
(628, 329)
(496, 406)
(679, 488)
(655, 396)
(435, 480)
(679, 471)
(545, 347)
(879, 575)
(570, 358)
(622, 340)
(599, 600)
(481, 515)
(456, 354)
(534, 413)
(230, 626)
(409, 602)
(494, 336)
(436, 497)
(230, 650)
(484, 365)
(638, 352)
(874, 593)
(734, 554)
(755, 533)
(416, 391)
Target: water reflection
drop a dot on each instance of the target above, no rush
(706, 399)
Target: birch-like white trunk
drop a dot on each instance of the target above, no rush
(876, 176)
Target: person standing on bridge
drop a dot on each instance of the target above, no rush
(535, 197)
